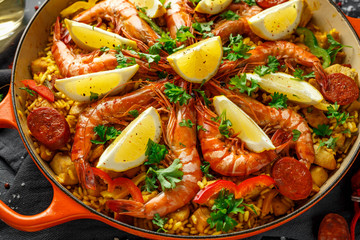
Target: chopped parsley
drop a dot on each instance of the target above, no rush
(205, 169)
(105, 133)
(28, 90)
(168, 177)
(149, 57)
(1, 97)
(241, 84)
(330, 143)
(183, 34)
(224, 124)
(203, 28)
(296, 134)
(94, 96)
(202, 93)
(160, 222)
(225, 204)
(229, 15)
(176, 93)
(186, 123)
(323, 130)
(124, 61)
(104, 49)
(167, 6)
(236, 49)
(272, 66)
(161, 74)
(278, 100)
(248, 2)
(199, 127)
(134, 113)
(333, 112)
(155, 152)
(334, 47)
(298, 74)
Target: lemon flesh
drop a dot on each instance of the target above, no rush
(277, 22)
(80, 88)
(198, 62)
(249, 132)
(212, 6)
(91, 38)
(298, 91)
(128, 149)
(153, 8)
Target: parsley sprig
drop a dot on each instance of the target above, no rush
(1, 97)
(205, 169)
(296, 134)
(241, 84)
(272, 66)
(28, 90)
(333, 112)
(202, 27)
(229, 15)
(225, 124)
(105, 133)
(168, 177)
(160, 222)
(124, 61)
(134, 113)
(323, 130)
(236, 49)
(330, 143)
(299, 74)
(186, 123)
(278, 100)
(225, 204)
(334, 47)
(155, 152)
(176, 94)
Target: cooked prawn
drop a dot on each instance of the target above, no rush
(266, 116)
(178, 15)
(182, 144)
(107, 111)
(241, 26)
(227, 159)
(124, 16)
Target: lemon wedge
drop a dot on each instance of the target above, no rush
(153, 8)
(91, 38)
(277, 22)
(80, 88)
(212, 6)
(323, 105)
(249, 132)
(128, 149)
(198, 62)
(298, 91)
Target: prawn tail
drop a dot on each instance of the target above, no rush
(320, 75)
(85, 174)
(57, 30)
(127, 207)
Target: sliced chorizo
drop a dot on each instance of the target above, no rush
(341, 89)
(333, 227)
(49, 127)
(292, 178)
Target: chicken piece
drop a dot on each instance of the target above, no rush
(315, 117)
(337, 68)
(279, 207)
(64, 169)
(354, 106)
(199, 219)
(77, 108)
(38, 65)
(324, 158)
(181, 214)
(319, 175)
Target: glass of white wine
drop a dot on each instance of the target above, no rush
(11, 17)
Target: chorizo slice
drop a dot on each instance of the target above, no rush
(333, 226)
(49, 127)
(292, 178)
(341, 89)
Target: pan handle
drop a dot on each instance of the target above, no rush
(355, 22)
(62, 209)
(7, 116)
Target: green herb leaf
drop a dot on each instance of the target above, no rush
(202, 93)
(334, 47)
(1, 97)
(224, 124)
(104, 49)
(272, 66)
(150, 183)
(155, 152)
(229, 15)
(236, 49)
(296, 134)
(149, 57)
(160, 222)
(323, 130)
(186, 123)
(330, 143)
(241, 84)
(202, 27)
(298, 74)
(224, 205)
(346, 131)
(168, 5)
(249, 2)
(199, 127)
(176, 94)
(333, 112)
(123, 61)
(105, 133)
(28, 90)
(278, 100)
(94, 96)
(161, 74)
(169, 44)
(183, 34)
(205, 169)
(168, 177)
(134, 113)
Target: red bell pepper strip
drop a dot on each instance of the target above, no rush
(135, 192)
(40, 89)
(241, 190)
(104, 176)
